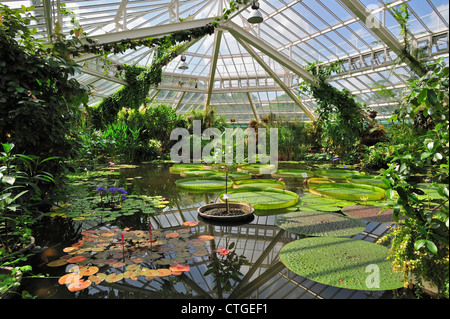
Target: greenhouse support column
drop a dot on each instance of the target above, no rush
(252, 105)
(212, 72)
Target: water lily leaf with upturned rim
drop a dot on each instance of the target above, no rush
(260, 183)
(318, 223)
(263, 199)
(347, 191)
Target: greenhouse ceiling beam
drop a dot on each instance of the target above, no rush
(276, 78)
(384, 34)
(261, 45)
(103, 76)
(212, 72)
(151, 32)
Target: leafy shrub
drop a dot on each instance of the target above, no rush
(39, 98)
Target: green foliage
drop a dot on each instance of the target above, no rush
(209, 183)
(39, 98)
(297, 139)
(424, 234)
(347, 191)
(132, 96)
(341, 118)
(341, 262)
(263, 199)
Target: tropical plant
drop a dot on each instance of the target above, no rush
(420, 245)
(39, 97)
(341, 117)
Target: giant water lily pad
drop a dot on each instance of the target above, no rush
(178, 168)
(257, 168)
(198, 173)
(204, 184)
(367, 180)
(292, 173)
(310, 202)
(260, 183)
(370, 213)
(347, 191)
(318, 223)
(340, 174)
(263, 199)
(342, 262)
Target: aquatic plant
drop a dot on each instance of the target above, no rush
(203, 184)
(347, 191)
(129, 254)
(263, 199)
(341, 262)
(260, 183)
(109, 205)
(318, 223)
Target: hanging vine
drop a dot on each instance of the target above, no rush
(340, 115)
(167, 50)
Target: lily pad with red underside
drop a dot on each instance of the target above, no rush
(370, 213)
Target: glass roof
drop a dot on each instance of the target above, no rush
(246, 71)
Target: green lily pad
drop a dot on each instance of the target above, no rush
(367, 180)
(347, 191)
(198, 173)
(334, 174)
(310, 202)
(178, 168)
(263, 199)
(260, 183)
(257, 168)
(203, 184)
(317, 223)
(292, 173)
(342, 262)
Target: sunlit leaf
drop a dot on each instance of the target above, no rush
(69, 249)
(69, 278)
(206, 237)
(190, 223)
(163, 272)
(80, 285)
(57, 263)
(172, 235)
(97, 278)
(88, 270)
(114, 277)
(76, 259)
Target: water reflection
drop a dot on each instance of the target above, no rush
(248, 267)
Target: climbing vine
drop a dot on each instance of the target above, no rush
(340, 115)
(141, 79)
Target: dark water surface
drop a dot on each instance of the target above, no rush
(252, 271)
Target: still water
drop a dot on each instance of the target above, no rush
(252, 271)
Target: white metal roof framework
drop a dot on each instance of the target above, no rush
(246, 71)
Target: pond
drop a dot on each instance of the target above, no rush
(239, 261)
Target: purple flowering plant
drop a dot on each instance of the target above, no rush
(112, 195)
